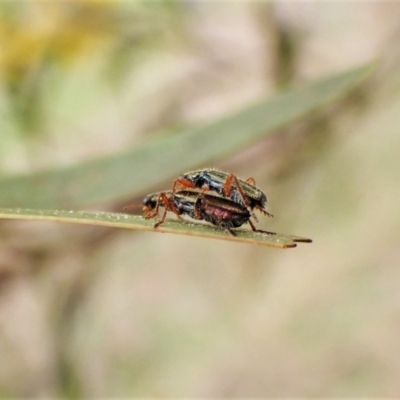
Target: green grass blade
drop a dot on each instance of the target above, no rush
(139, 223)
(137, 171)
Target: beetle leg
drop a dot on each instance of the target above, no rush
(267, 232)
(228, 187)
(227, 191)
(165, 200)
(155, 214)
(225, 227)
(204, 188)
(162, 219)
(229, 230)
(259, 230)
(168, 206)
(150, 215)
(251, 181)
(252, 226)
(264, 211)
(182, 183)
(253, 215)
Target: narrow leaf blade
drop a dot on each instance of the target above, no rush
(139, 223)
(137, 171)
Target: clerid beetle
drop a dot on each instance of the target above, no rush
(241, 192)
(215, 209)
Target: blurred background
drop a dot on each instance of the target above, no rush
(89, 311)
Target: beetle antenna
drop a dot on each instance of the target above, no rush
(135, 206)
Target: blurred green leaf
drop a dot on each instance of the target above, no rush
(137, 222)
(163, 157)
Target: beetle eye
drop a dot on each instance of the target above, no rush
(149, 202)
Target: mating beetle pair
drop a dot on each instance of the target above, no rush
(231, 206)
(215, 209)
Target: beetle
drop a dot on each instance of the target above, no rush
(217, 210)
(242, 192)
